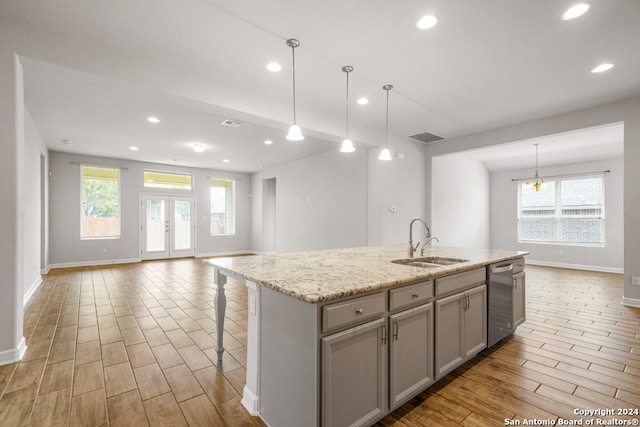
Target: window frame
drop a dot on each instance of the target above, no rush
(558, 208)
(233, 205)
(152, 188)
(119, 202)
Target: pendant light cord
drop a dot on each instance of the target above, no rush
(386, 128)
(347, 104)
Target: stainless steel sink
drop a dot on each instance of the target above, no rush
(428, 262)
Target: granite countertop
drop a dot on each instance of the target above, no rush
(316, 276)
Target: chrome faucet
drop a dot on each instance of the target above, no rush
(427, 234)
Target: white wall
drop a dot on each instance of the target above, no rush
(67, 248)
(33, 239)
(12, 343)
(460, 197)
(321, 202)
(504, 225)
(627, 112)
(398, 184)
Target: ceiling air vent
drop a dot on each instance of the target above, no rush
(231, 123)
(426, 137)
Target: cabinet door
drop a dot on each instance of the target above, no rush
(449, 345)
(354, 375)
(411, 353)
(519, 309)
(475, 321)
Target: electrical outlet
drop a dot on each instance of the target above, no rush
(635, 280)
(560, 252)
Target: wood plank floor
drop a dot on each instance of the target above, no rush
(132, 345)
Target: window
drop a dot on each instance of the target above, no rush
(172, 181)
(222, 206)
(100, 202)
(568, 211)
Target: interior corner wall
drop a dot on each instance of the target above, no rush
(627, 112)
(11, 211)
(321, 202)
(34, 241)
(460, 195)
(396, 191)
(504, 223)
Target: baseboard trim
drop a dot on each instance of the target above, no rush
(597, 268)
(32, 289)
(250, 401)
(14, 354)
(92, 263)
(631, 302)
(219, 254)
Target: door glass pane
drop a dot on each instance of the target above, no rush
(156, 225)
(182, 224)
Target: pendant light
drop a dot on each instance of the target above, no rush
(347, 145)
(295, 134)
(385, 154)
(539, 182)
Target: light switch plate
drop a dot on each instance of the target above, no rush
(635, 280)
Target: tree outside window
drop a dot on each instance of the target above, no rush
(100, 202)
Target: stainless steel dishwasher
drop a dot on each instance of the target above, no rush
(506, 299)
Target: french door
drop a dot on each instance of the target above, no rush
(168, 226)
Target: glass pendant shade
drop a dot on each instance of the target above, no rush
(385, 154)
(295, 134)
(347, 146)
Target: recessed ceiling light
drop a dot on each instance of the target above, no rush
(153, 119)
(67, 142)
(575, 11)
(427, 21)
(362, 101)
(268, 141)
(602, 67)
(226, 160)
(133, 148)
(274, 67)
(198, 148)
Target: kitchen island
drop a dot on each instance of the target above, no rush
(344, 336)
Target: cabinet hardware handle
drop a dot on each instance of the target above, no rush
(359, 311)
(384, 333)
(414, 296)
(395, 330)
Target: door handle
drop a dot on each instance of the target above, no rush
(503, 269)
(384, 333)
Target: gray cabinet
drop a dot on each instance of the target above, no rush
(354, 375)
(461, 328)
(411, 353)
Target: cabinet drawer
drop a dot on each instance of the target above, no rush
(457, 282)
(518, 265)
(352, 311)
(410, 295)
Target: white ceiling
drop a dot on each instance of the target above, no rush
(601, 142)
(486, 65)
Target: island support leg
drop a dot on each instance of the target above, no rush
(220, 306)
